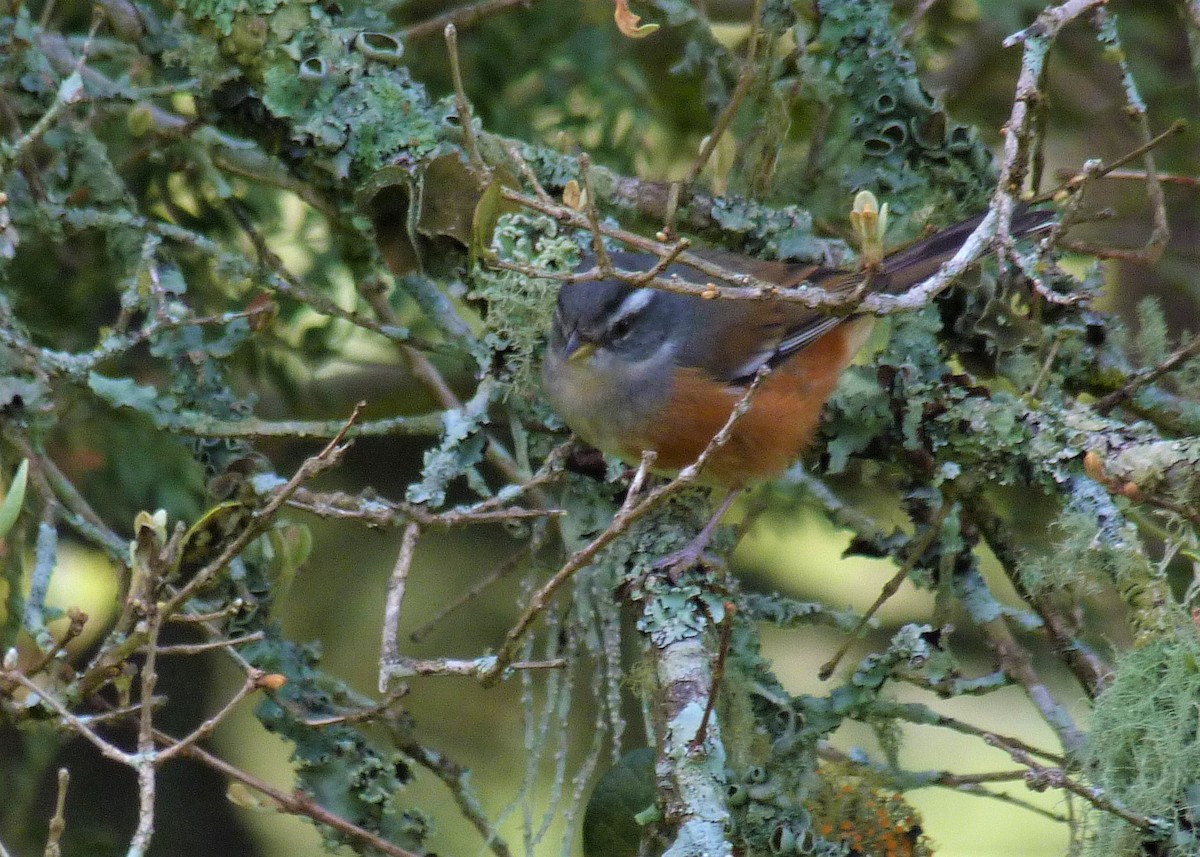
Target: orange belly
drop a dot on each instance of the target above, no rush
(781, 422)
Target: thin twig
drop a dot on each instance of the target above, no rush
(251, 683)
(1017, 663)
(74, 629)
(527, 172)
(363, 715)
(397, 584)
(199, 648)
(1146, 376)
(718, 674)
(58, 823)
(145, 763)
(916, 551)
(968, 784)
(1039, 778)
(293, 803)
(593, 214)
(923, 715)
(457, 779)
(505, 568)
(461, 105)
(1048, 363)
(64, 97)
(481, 668)
(1092, 672)
(376, 512)
(282, 281)
(1140, 176)
(730, 110)
(313, 465)
(464, 16)
(108, 750)
(1073, 178)
(639, 478)
(1135, 107)
(914, 20)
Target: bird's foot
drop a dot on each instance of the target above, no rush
(694, 554)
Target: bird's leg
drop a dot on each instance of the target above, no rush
(691, 554)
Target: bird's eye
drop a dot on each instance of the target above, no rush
(621, 328)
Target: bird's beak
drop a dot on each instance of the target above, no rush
(578, 348)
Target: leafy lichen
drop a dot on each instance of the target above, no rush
(519, 308)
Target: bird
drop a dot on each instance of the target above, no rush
(631, 369)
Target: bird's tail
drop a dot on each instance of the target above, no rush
(905, 268)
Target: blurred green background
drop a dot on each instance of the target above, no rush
(558, 74)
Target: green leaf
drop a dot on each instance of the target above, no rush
(610, 826)
(483, 222)
(10, 508)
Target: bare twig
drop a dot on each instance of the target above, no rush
(363, 715)
(1088, 667)
(70, 91)
(914, 19)
(1072, 179)
(108, 750)
(1039, 778)
(481, 668)
(464, 16)
(58, 823)
(1135, 107)
(730, 110)
(231, 609)
(282, 281)
(456, 778)
(1047, 364)
(718, 673)
(74, 629)
(293, 803)
(253, 682)
(593, 214)
(915, 552)
(462, 105)
(639, 478)
(313, 465)
(954, 724)
(397, 583)
(1147, 376)
(968, 784)
(1140, 176)
(527, 172)
(1017, 663)
(501, 571)
(199, 648)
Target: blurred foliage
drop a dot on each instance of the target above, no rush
(223, 223)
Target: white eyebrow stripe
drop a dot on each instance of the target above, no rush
(633, 304)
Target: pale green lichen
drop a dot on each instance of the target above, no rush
(519, 308)
(1144, 748)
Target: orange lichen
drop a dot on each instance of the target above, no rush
(856, 809)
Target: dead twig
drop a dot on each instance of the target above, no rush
(464, 16)
(1039, 778)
